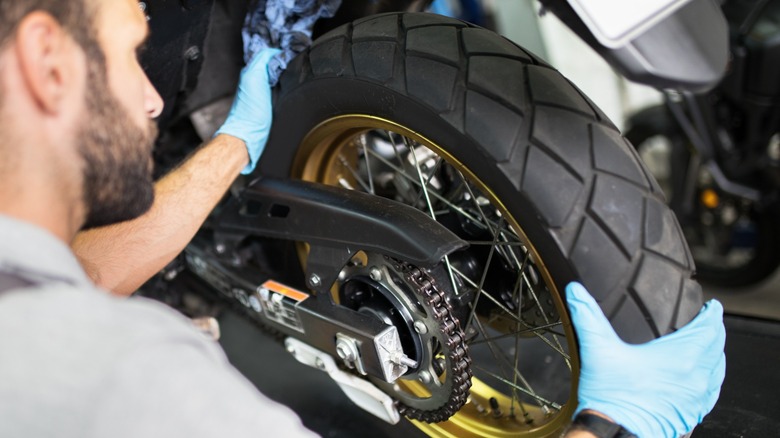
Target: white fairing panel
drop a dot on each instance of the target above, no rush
(615, 23)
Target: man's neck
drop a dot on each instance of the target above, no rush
(40, 176)
(52, 210)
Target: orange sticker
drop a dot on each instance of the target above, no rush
(284, 290)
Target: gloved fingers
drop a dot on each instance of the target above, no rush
(710, 315)
(260, 61)
(586, 315)
(705, 333)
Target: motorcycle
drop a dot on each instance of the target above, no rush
(428, 190)
(717, 154)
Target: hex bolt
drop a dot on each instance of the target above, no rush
(407, 361)
(314, 280)
(344, 352)
(425, 377)
(320, 364)
(441, 363)
(171, 275)
(420, 327)
(375, 273)
(192, 53)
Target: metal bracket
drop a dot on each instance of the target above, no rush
(336, 223)
(361, 392)
(392, 360)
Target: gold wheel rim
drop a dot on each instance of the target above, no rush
(317, 159)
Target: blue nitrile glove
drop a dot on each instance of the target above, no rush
(659, 389)
(251, 115)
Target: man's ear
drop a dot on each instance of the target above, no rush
(46, 57)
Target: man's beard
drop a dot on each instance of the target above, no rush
(118, 183)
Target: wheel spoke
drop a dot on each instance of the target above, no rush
(501, 240)
(368, 164)
(558, 349)
(414, 181)
(487, 242)
(502, 359)
(547, 321)
(539, 398)
(516, 364)
(424, 185)
(546, 328)
(485, 293)
(480, 286)
(354, 173)
(498, 266)
(493, 227)
(395, 149)
(475, 200)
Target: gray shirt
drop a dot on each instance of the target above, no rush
(77, 362)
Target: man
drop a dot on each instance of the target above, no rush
(75, 136)
(75, 118)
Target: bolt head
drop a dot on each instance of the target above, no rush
(314, 280)
(192, 53)
(425, 377)
(320, 364)
(375, 273)
(171, 275)
(420, 327)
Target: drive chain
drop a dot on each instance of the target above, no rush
(454, 340)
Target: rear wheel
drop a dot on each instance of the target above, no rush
(501, 149)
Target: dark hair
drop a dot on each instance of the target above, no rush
(77, 17)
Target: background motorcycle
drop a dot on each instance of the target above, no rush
(717, 154)
(489, 181)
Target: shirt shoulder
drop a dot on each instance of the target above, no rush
(120, 367)
(71, 310)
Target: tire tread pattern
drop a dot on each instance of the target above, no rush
(549, 140)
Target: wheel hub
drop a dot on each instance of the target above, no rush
(437, 386)
(513, 350)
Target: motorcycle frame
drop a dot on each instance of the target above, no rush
(705, 120)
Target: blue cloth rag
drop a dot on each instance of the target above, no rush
(284, 24)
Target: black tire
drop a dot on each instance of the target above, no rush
(576, 188)
(656, 122)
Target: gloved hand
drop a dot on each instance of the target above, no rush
(251, 115)
(659, 389)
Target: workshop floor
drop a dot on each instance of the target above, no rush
(748, 406)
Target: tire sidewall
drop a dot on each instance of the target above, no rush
(299, 111)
